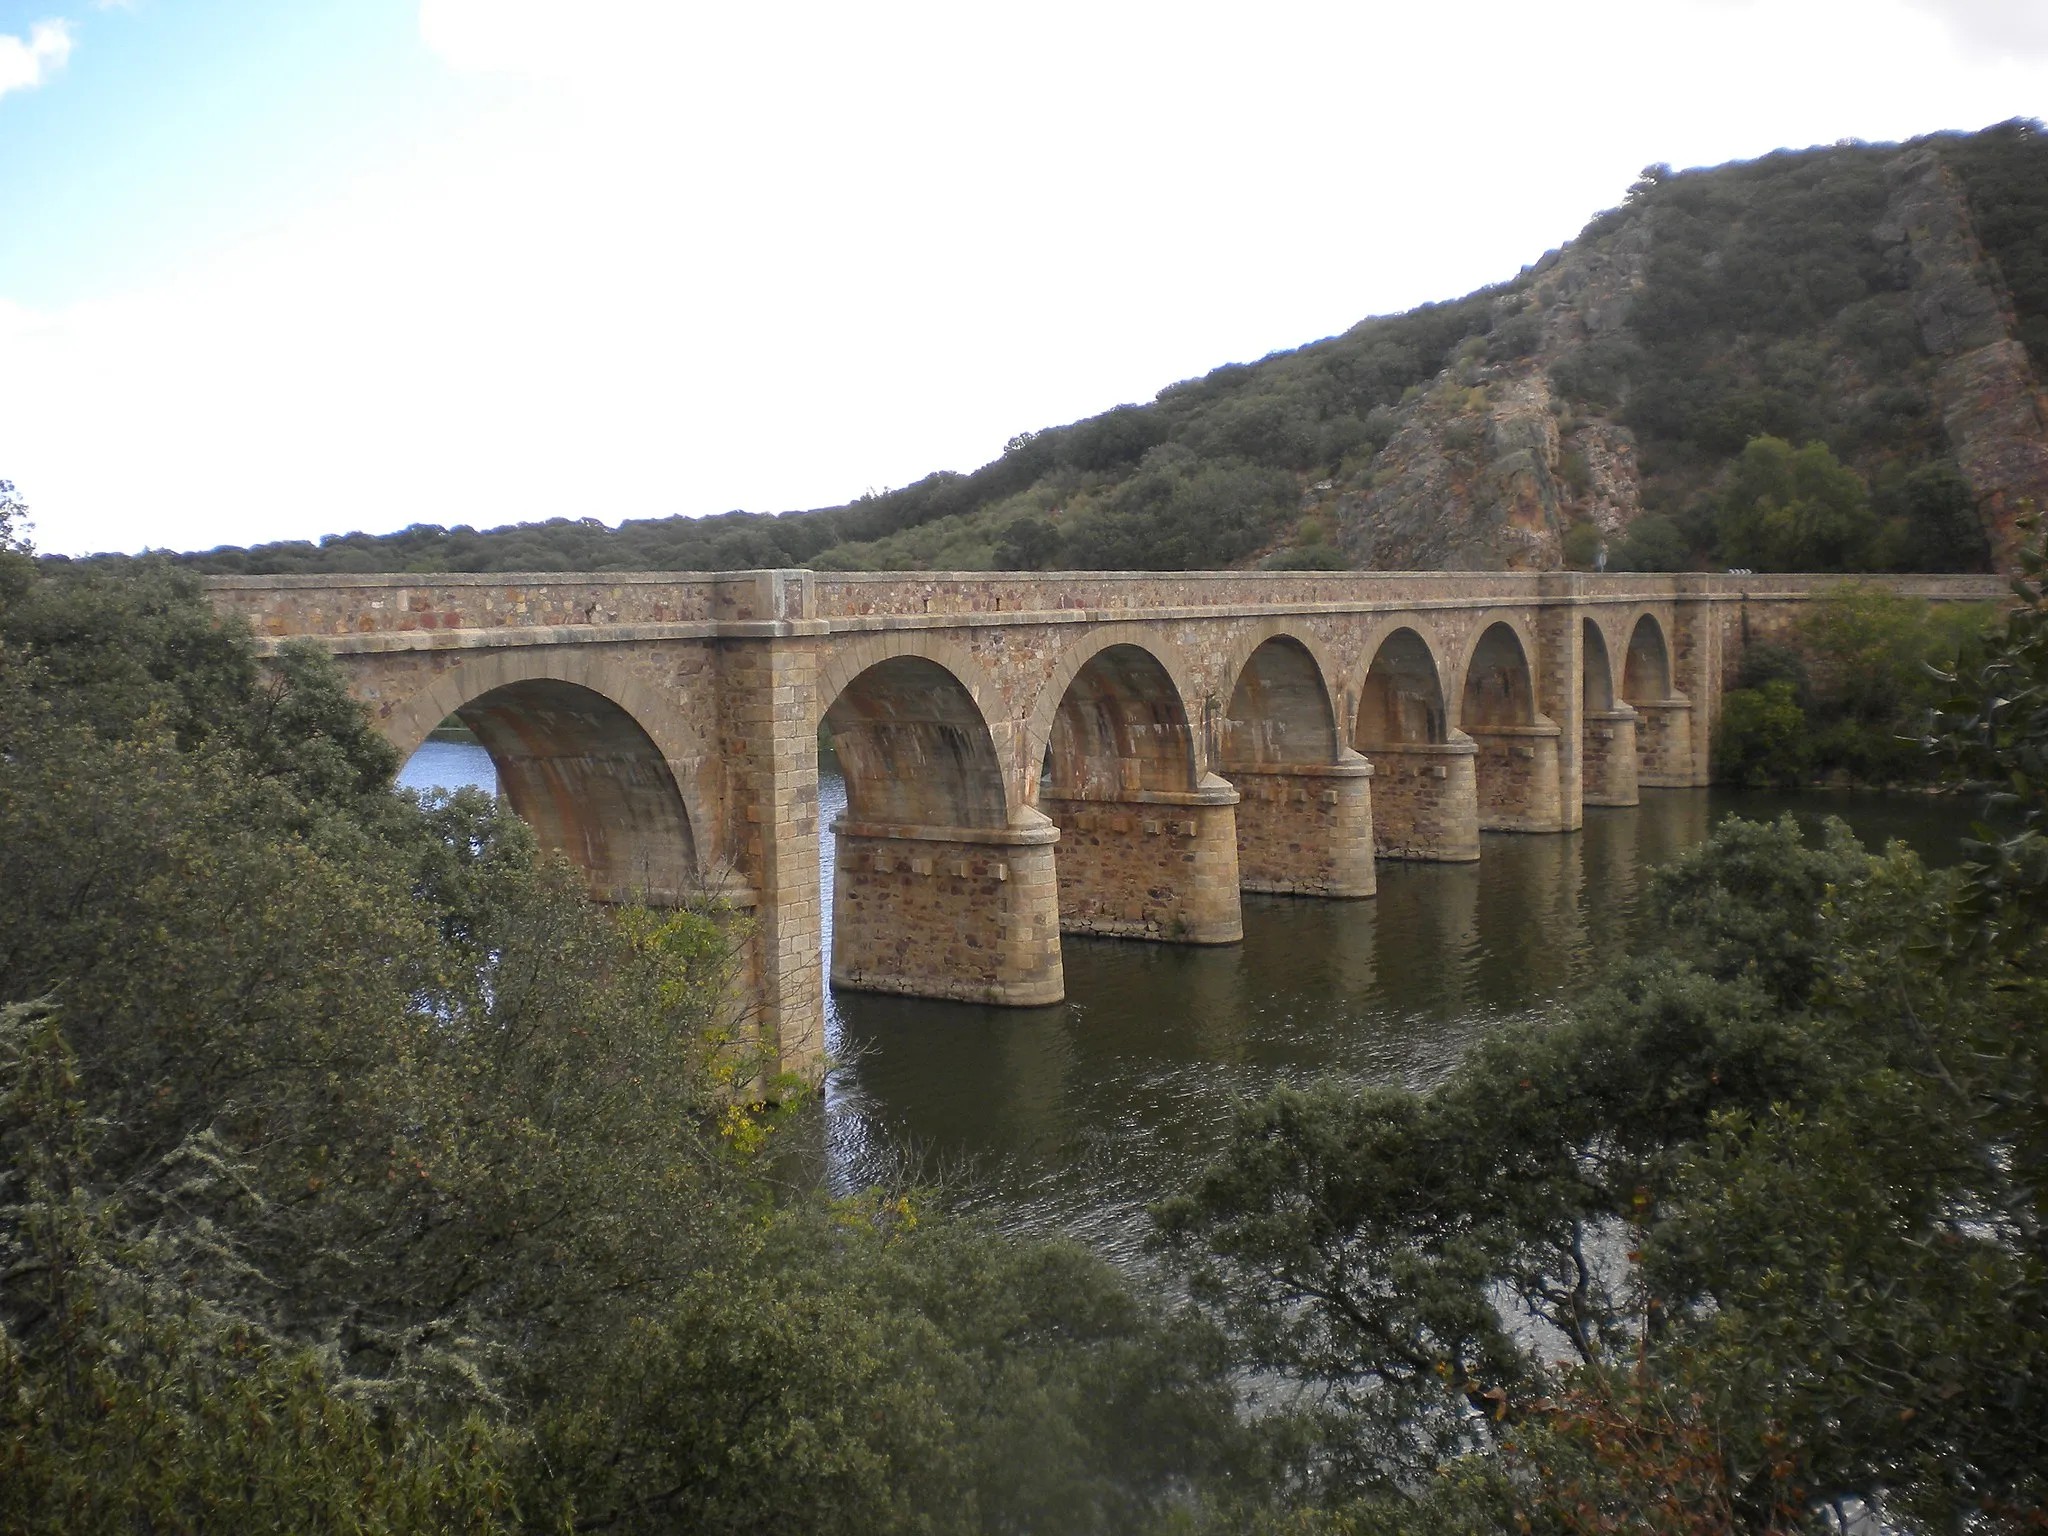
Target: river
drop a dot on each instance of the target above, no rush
(1073, 1118)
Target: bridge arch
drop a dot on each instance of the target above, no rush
(1304, 812)
(938, 889)
(1596, 670)
(1517, 762)
(848, 661)
(1607, 726)
(588, 755)
(915, 747)
(1401, 701)
(1664, 733)
(1281, 710)
(1147, 841)
(1423, 804)
(1118, 691)
(1646, 673)
(1499, 684)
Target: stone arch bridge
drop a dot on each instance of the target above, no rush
(1025, 754)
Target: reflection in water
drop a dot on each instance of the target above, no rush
(1073, 1118)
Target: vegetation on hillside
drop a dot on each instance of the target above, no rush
(1770, 310)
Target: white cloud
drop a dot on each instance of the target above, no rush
(27, 62)
(769, 255)
(1997, 29)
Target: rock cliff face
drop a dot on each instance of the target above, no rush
(1490, 466)
(1992, 409)
(1492, 463)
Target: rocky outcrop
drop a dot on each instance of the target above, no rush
(1491, 464)
(1992, 410)
(1488, 469)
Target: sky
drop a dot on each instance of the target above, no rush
(275, 270)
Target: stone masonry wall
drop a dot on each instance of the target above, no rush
(947, 918)
(1611, 757)
(1305, 833)
(1663, 743)
(1515, 769)
(1426, 802)
(1139, 870)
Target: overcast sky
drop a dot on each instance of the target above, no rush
(272, 270)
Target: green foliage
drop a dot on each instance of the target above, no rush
(361, 1175)
(1179, 512)
(1308, 557)
(1850, 696)
(1761, 737)
(1936, 521)
(1994, 728)
(127, 1403)
(1582, 545)
(1789, 509)
(1766, 1205)
(1028, 544)
(1771, 309)
(1653, 543)
(2005, 172)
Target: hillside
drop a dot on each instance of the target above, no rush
(1823, 359)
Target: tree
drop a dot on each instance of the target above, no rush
(1653, 543)
(1761, 737)
(1943, 529)
(1028, 544)
(1770, 1200)
(359, 1173)
(1788, 509)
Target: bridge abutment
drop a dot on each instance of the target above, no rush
(1160, 864)
(1306, 829)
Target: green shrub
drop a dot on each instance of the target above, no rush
(1652, 543)
(1309, 557)
(1761, 737)
(1582, 545)
(1790, 509)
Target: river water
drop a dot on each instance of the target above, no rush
(1073, 1118)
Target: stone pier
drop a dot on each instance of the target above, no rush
(1159, 865)
(1515, 769)
(1610, 757)
(960, 912)
(1664, 746)
(1306, 829)
(1426, 801)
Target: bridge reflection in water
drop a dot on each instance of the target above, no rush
(1073, 1118)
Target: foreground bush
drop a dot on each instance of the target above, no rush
(360, 1175)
